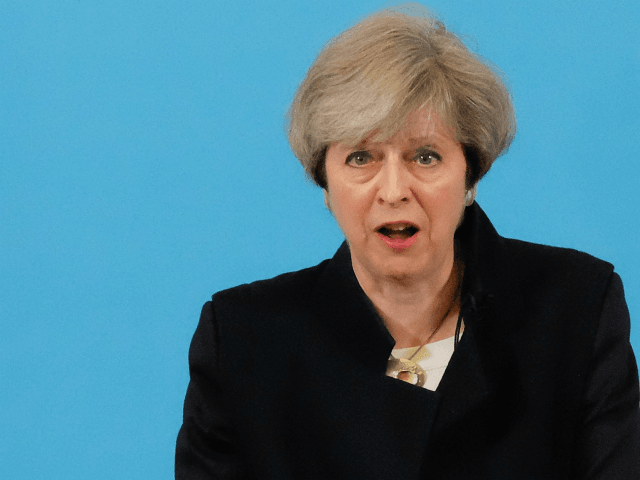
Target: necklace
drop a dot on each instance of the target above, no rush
(409, 371)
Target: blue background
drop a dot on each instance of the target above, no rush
(144, 166)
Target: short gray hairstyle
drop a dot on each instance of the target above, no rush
(374, 74)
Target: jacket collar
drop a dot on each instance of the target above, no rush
(480, 247)
(359, 329)
(397, 417)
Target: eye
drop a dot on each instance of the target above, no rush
(426, 157)
(359, 159)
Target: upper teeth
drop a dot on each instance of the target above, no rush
(397, 227)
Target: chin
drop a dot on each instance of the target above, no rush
(401, 269)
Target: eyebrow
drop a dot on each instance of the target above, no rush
(430, 141)
(413, 143)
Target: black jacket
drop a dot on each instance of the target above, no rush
(288, 377)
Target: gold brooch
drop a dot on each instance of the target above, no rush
(406, 370)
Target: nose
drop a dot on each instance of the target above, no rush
(394, 182)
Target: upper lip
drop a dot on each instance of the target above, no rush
(397, 222)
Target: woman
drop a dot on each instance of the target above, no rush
(428, 346)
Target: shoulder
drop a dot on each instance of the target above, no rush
(546, 299)
(541, 260)
(283, 291)
(274, 319)
(551, 292)
(510, 265)
(547, 278)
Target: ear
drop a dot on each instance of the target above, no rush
(327, 200)
(470, 197)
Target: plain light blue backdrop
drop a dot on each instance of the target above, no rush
(144, 166)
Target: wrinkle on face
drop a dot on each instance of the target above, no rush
(394, 187)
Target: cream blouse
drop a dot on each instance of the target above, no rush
(433, 358)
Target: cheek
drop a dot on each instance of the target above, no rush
(446, 208)
(350, 209)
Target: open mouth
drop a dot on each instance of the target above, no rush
(398, 231)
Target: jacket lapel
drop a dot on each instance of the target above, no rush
(402, 418)
(464, 386)
(389, 420)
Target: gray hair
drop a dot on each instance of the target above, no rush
(370, 77)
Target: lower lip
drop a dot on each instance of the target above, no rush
(399, 244)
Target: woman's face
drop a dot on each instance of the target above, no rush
(400, 201)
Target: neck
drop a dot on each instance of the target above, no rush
(416, 311)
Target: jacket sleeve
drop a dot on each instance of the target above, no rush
(608, 436)
(205, 449)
